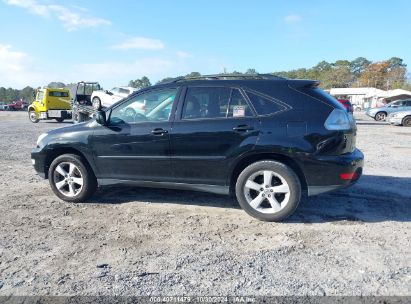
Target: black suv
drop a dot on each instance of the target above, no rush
(265, 139)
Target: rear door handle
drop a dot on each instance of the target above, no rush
(243, 128)
(159, 131)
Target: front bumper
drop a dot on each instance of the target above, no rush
(395, 120)
(38, 159)
(323, 173)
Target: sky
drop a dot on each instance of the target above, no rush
(115, 41)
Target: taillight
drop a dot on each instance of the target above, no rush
(349, 176)
(339, 120)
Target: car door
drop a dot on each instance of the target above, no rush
(213, 126)
(135, 145)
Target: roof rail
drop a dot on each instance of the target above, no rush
(227, 77)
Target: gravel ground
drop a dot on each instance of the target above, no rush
(135, 241)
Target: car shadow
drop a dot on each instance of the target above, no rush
(371, 123)
(372, 199)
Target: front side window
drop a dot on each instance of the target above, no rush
(40, 96)
(147, 107)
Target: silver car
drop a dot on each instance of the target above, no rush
(381, 113)
(400, 118)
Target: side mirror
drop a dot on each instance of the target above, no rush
(101, 118)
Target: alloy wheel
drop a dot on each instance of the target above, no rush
(267, 191)
(68, 179)
(380, 116)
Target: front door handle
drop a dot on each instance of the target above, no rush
(243, 128)
(159, 131)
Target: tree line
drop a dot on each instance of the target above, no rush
(360, 72)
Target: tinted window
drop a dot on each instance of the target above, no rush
(263, 105)
(408, 103)
(123, 91)
(238, 105)
(58, 94)
(206, 102)
(135, 110)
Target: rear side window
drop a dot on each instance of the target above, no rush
(206, 102)
(58, 94)
(264, 105)
(238, 105)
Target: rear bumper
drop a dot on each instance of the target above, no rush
(328, 173)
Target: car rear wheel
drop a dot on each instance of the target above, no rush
(60, 119)
(380, 116)
(406, 122)
(268, 190)
(71, 179)
(34, 118)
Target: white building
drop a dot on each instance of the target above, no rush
(369, 97)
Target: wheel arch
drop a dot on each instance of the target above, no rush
(56, 152)
(31, 108)
(249, 159)
(383, 111)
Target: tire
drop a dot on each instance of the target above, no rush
(61, 119)
(96, 102)
(380, 116)
(71, 178)
(406, 122)
(34, 118)
(79, 117)
(283, 179)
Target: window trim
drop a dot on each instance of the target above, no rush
(179, 112)
(142, 92)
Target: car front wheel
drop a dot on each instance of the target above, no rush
(71, 179)
(268, 190)
(406, 122)
(33, 116)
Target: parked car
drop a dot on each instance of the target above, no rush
(402, 118)
(50, 103)
(395, 106)
(3, 106)
(265, 139)
(16, 106)
(106, 98)
(347, 105)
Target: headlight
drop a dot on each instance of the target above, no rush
(40, 138)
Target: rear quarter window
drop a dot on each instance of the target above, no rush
(264, 105)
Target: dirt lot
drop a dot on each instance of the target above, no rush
(135, 241)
